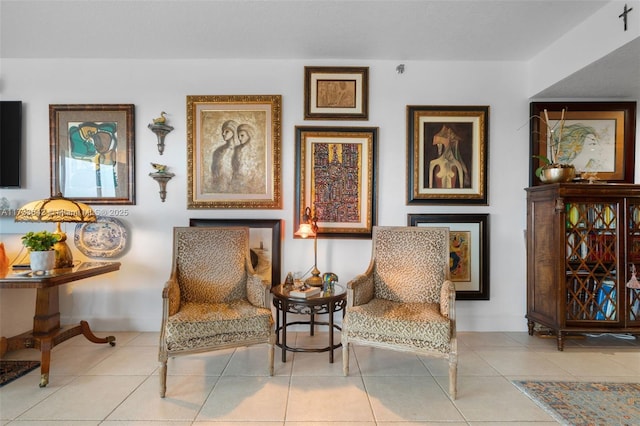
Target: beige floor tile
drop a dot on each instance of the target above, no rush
(588, 362)
(258, 423)
(386, 362)
(519, 361)
(475, 340)
(143, 423)
(469, 364)
(21, 395)
(128, 360)
(494, 399)
(97, 384)
(207, 363)
(75, 360)
(55, 423)
(184, 397)
(331, 424)
(249, 361)
(145, 339)
(328, 399)
(409, 399)
(246, 398)
(317, 364)
(85, 398)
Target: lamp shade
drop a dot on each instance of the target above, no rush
(305, 230)
(55, 209)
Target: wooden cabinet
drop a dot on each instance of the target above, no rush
(583, 242)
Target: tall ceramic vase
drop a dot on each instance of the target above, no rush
(42, 261)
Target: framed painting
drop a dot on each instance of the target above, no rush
(598, 138)
(264, 242)
(336, 179)
(233, 152)
(92, 152)
(447, 149)
(469, 250)
(336, 93)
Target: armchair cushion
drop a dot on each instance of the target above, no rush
(414, 325)
(207, 324)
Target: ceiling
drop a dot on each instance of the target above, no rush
(300, 29)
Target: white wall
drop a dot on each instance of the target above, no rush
(130, 298)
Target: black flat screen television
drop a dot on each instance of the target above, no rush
(10, 143)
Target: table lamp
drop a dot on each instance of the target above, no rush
(57, 209)
(309, 228)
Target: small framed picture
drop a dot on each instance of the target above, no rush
(336, 93)
(469, 250)
(233, 152)
(336, 179)
(447, 154)
(92, 152)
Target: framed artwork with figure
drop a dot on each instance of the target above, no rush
(92, 152)
(233, 152)
(447, 148)
(336, 179)
(469, 250)
(598, 138)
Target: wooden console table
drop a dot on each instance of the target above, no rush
(47, 332)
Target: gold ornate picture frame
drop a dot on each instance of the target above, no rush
(234, 152)
(336, 179)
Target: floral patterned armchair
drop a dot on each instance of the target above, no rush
(405, 300)
(213, 300)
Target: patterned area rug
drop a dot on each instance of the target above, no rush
(11, 370)
(584, 403)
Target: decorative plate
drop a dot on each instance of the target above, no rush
(107, 237)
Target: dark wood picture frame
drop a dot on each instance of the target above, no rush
(227, 173)
(336, 93)
(256, 227)
(344, 155)
(447, 150)
(92, 150)
(610, 126)
(474, 286)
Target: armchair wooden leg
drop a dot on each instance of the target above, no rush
(345, 357)
(163, 378)
(271, 357)
(453, 376)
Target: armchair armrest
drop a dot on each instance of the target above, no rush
(360, 289)
(171, 296)
(258, 291)
(448, 300)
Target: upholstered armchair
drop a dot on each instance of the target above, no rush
(213, 300)
(405, 300)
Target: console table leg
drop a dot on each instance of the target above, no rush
(45, 361)
(88, 334)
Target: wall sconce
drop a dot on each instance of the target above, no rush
(309, 228)
(161, 129)
(162, 176)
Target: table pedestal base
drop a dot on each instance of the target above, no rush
(46, 342)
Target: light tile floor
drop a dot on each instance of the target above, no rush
(101, 385)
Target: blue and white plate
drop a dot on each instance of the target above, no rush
(107, 237)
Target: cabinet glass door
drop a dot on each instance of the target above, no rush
(633, 263)
(591, 262)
